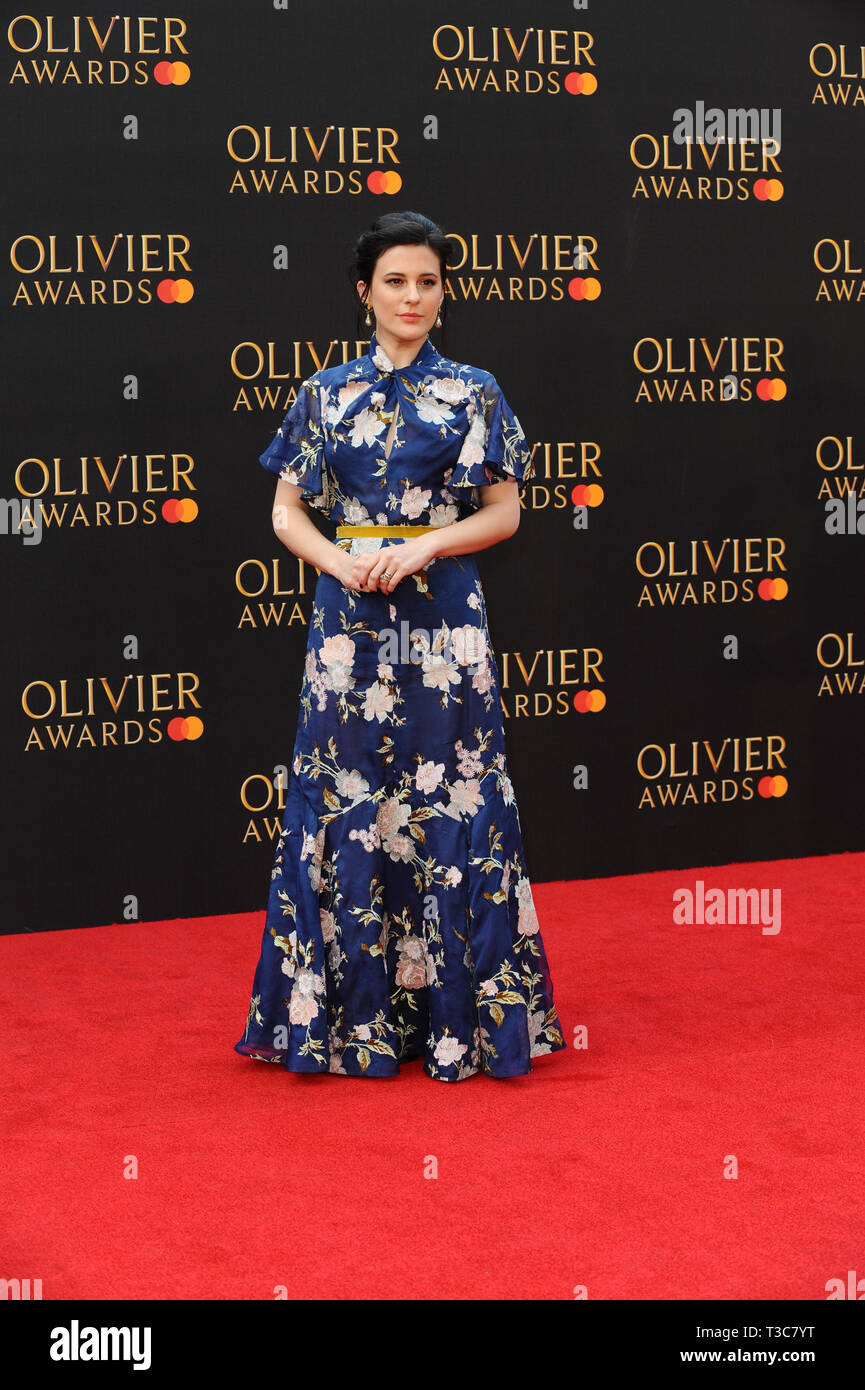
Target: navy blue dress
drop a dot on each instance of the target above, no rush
(400, 921)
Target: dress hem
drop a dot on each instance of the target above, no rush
(257, 1056)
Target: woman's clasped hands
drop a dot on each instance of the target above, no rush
(366, 572)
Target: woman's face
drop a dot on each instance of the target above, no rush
(406, 291)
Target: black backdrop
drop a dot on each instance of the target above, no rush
(150, 825)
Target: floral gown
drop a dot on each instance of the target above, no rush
(400, 922)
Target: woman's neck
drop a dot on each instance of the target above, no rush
(400, 350)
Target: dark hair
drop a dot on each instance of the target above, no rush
(395, 229)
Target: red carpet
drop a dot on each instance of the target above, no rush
(604, 1168)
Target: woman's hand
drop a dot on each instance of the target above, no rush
(350, 570)
(366, 571)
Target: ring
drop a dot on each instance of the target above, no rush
(386, 574)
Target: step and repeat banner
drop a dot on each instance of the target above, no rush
(658, 232)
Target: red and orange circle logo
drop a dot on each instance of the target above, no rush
(587, 495)
(581, 84)
(380, 181)
(175, 291)
(179, 509)
(771, 388)
(589, 701)
(172, 74)
(772, 786)
(768, 190)
(179, 728)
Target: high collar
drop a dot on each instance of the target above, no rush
(424, 357)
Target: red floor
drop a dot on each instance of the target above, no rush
(604, 1169)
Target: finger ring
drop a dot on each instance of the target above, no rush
(386, 574)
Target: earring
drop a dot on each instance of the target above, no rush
(367, 320)
(438, 320)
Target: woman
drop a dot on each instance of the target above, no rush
(400, 922)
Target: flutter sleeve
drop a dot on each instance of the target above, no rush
(296, 452)
(495, 447)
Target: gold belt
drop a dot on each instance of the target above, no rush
(384, 530)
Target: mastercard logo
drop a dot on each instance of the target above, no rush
(178, 729)
(580, 288)
(772, 786)
(175, 291)
(380, 182)
(587, 495)
(772, 588)
(177, 509)
(589, 701)
(771, 388)
(768, 190)
(172, 74)
(581, 84)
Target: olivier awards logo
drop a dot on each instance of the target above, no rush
(270, 591)
(504, 268)
(498, 61)
(75, 51)
(566, 475)
(90, 492)
(842, 663)
(700, 371)
(840, 69)
(98, 270)
(271, 372)
(310, 162)
(842, 486)
(543, 684)
(841, 276)
(706, 772)
(698, 572)
(263, 800)
(103, 712)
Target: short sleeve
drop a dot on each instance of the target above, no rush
(495, 447)
(296, 453)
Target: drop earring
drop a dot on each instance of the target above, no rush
(438, 320)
